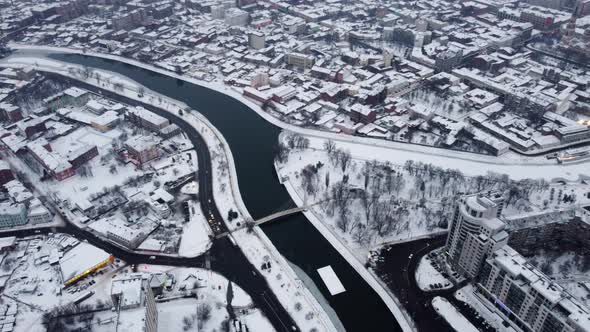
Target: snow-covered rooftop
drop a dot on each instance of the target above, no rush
(81, 258)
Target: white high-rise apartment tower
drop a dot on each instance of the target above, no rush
(475, 232)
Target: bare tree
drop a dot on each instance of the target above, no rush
(309, 179)
(329, 146)
(382, 218)
(344, 219)
(281, 152)
(344, 157)
(361, 235)
(368, 200)
(203, 314)
(340, 198)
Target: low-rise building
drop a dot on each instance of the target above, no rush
(17, 192)
(123, 233)
(82, 260)
(260, 96)
(127, 290)
(6, 174)
(236, 17)
(146, 119)
(82, 155)
(38, 213)
(31, 126)
(131, 291)
(7, 243)
(12, 214)
(169, 131)
(256, 40)
(362, 113)
(52, 163)
(573, 133)
(106, 121)
(300, 60)
(143, 148)
(10, 113)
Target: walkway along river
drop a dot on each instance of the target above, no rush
(251, 140)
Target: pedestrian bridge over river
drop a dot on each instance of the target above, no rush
(269, 218)
(280, 214)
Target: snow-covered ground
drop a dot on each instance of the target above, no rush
(211, 291)
(388, 201)
(105, 172)
(171, 317)
(428, 277)
(516, 166)
(210, 284)
(37, 285)
(180, 307)
(457, 321)
(467, 295)
(223, 189)
(282, 279)
(570, 270)
(195, 234)
(357, 231)
(509, 163)
(259, 250)
(312, 314)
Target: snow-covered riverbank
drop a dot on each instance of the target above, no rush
(283, 281)
(388, 298)
(516, 166)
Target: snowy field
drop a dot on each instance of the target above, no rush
(392, 216)
(170, 313)
(371, 199)
(517, 167)
(457, 321)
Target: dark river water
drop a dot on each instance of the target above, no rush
(251, 140)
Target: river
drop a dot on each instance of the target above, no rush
(251, 140)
